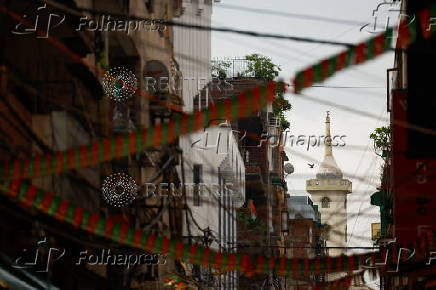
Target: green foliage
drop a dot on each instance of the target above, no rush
(382, 143)
(284, 124)
(262, 67)
(382, 140)
(281, 105)
(219, 69)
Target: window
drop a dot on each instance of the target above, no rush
(325, 202)
(197, 184)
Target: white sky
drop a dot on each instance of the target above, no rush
(306, 117)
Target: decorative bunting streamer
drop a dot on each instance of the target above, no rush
(352, 56)
(96, 224)
(122, 145)
(362, 52)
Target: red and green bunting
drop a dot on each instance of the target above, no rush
(99, 225)
(352, 56)
(119, 146)
(407, 34)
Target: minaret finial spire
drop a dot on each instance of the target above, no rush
(328, 137)
(328, 167)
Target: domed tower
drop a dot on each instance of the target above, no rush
(329, 191)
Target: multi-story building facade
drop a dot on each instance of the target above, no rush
(55, 101)
(211, 158)
(305, 238)
(406, 195)
(261, 145)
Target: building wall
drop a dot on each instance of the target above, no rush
(219, 157)
(153, 45)
(218, 164)
(301, 236)
(67, 109)
(193, 49)
(335, 216)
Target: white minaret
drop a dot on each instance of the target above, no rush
(329, 191)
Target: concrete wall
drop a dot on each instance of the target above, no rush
(335, 216)
(219, 157)
(192, 49)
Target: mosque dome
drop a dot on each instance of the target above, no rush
(329, 169)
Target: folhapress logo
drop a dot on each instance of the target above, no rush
(385, 15)
(39, 261)
(42, 23)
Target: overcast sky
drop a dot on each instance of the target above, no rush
(307, 117)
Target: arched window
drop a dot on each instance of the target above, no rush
(325, 202)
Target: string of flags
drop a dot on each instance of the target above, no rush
(355, 55)
(407, 34)
(122, 145)
(98, 225)
(104, 150)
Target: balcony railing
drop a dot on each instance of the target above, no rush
(231, 68)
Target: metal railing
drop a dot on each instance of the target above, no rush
(232, 67)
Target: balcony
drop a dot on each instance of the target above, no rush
(256, 163)
(329, 184)
(231, 68)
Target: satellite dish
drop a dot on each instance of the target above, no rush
(289, 168)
